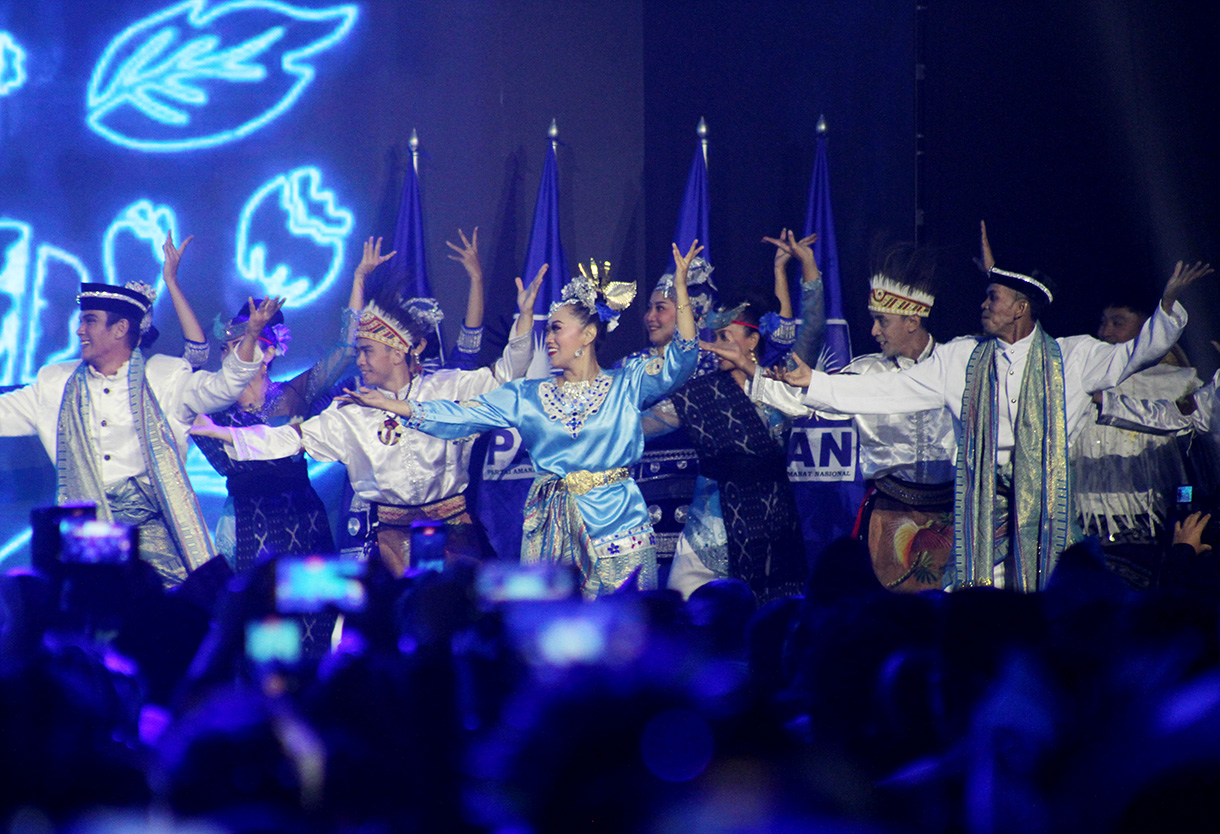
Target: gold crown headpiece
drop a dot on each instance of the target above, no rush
(598, 293)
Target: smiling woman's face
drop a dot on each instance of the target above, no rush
(660, 319)
(566, 334)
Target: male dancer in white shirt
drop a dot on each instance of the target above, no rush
(1018, 398)
(402, 475)
(115, 423)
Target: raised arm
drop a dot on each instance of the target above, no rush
(519, 351)
(196, 349)
(370, 259)
(783, 254)
(809, 338)
(247, 348)
(471, 338)
(1106, 365)
(1183, 276)
(686, 318)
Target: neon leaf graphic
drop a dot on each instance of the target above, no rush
(195, 77)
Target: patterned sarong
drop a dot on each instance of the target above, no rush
(555, 531)
(739, 453)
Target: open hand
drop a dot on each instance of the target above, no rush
(173, 255)
(732, 352)
(800, 376)
(372, 258)
(682, 263)
(526, 296)
(1183, 276)
(1190, 531)
(260, 315)
(468, 253)
(363, 395)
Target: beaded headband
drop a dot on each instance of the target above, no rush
(889, 296)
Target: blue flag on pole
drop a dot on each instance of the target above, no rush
(409, 267)
(545, 247)
(823, 453)
(505, 472)
(836, 343)
(696, 207)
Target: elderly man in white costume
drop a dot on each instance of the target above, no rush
(115, 422)
(1018, 398)
(402, 476)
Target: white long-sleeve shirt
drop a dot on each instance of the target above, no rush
(1089, 365)
(1139, 412)
(181, 394)
(918, 447)
(419, 468)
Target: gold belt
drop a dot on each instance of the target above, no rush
(582, 480)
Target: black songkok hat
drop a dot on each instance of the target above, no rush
(1038, 285)
(126, 301)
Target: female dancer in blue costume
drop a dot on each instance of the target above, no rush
(582, 430)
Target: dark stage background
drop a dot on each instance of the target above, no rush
(1082, 133)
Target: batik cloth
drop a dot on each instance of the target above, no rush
(743, 458)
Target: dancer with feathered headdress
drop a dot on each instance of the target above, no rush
(401, 476)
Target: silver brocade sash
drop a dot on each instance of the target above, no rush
(79, 475)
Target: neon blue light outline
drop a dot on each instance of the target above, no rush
(14, 544)
(13, 271)
(231, 66)
(45, 255)
(251, 258)
(28, 304)
(147, 221)
(10, 49)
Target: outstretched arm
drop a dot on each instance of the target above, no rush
(196, 350)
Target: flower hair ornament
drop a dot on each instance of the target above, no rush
(700, 288)
(276, 335)
(598, 294)
(425, 311)
(716, 319)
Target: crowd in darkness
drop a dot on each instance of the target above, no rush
(1089, 706)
